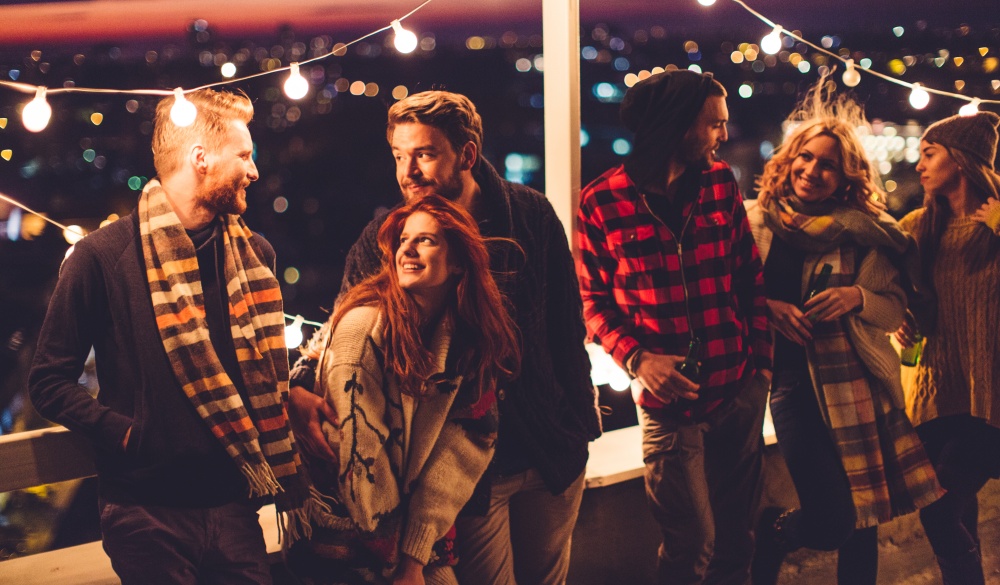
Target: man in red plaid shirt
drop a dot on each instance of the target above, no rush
(673, 289)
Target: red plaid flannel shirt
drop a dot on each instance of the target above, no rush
(633, 293)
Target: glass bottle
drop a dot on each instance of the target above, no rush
(910, 356)
(690, 368)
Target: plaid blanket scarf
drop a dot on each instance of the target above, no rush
(256, 435)
(883, 457)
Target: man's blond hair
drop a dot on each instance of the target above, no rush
(452, 113)
(216, 109)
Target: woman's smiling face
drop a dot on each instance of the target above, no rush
(817, 170)
(422, 263)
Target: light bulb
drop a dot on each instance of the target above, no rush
(293, 333)
(851, 76)
(405, 40)
(706, 2)
(73, 234)
(771, 44)
(37, 112)
(296, 86)
(969, 109)
(183, 112)
(619, 380)
(919, 98)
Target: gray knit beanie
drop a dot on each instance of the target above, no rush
(975, 135)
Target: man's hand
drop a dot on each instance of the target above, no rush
(658, 373)
(410, 572)
(306, 413)
(789, 321)
(834, 302)
(906, 335)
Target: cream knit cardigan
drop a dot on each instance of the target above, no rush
(432, 466)
(882, 310)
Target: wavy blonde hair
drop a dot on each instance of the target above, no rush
(822, 112)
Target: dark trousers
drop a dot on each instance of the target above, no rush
(827, 516)
(703, 485)
(965, 452)
(154, 545)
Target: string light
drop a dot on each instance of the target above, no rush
(919, 92)
(969, 109)
(919, 98)
(293, 333)
(296, 86)
(771, 44)
(183, 112)
(405, 40)
(37, 112)
(851, 76)
(706, 2)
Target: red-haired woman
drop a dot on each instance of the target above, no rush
(412, 369)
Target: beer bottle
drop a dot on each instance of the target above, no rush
(690, 368)
(822, 280)
(910, 356)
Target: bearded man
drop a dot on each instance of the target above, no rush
(180, 304)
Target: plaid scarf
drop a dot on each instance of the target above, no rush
(255, 435)
(883, 457)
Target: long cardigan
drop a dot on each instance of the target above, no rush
(419, 457)
(882, 310)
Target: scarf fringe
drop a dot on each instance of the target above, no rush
(261, 478)
(297, 524)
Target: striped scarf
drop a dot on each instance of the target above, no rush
(255, 435)
(885, 462)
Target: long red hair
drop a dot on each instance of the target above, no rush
(475, 305)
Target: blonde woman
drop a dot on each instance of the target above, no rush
(836, 397)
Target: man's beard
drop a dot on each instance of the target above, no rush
(225, 198)
(450, 189)
(698, 156)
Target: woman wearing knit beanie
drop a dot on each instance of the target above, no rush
(836, 398)
(955, 400)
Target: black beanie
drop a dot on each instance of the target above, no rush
(659, 110)
(975, 135)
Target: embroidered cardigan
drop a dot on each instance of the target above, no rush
(398, 454)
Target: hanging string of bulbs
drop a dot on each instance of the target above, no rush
(919, 94)
(36, 114)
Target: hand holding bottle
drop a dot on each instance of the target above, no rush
(833, 303)
(907, 333)
(659, 374)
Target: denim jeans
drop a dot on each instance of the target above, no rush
(525, 536)
(827, 517)
(154, 545)
(703, 485)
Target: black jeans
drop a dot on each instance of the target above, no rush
(965, 452)
(827, 516)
